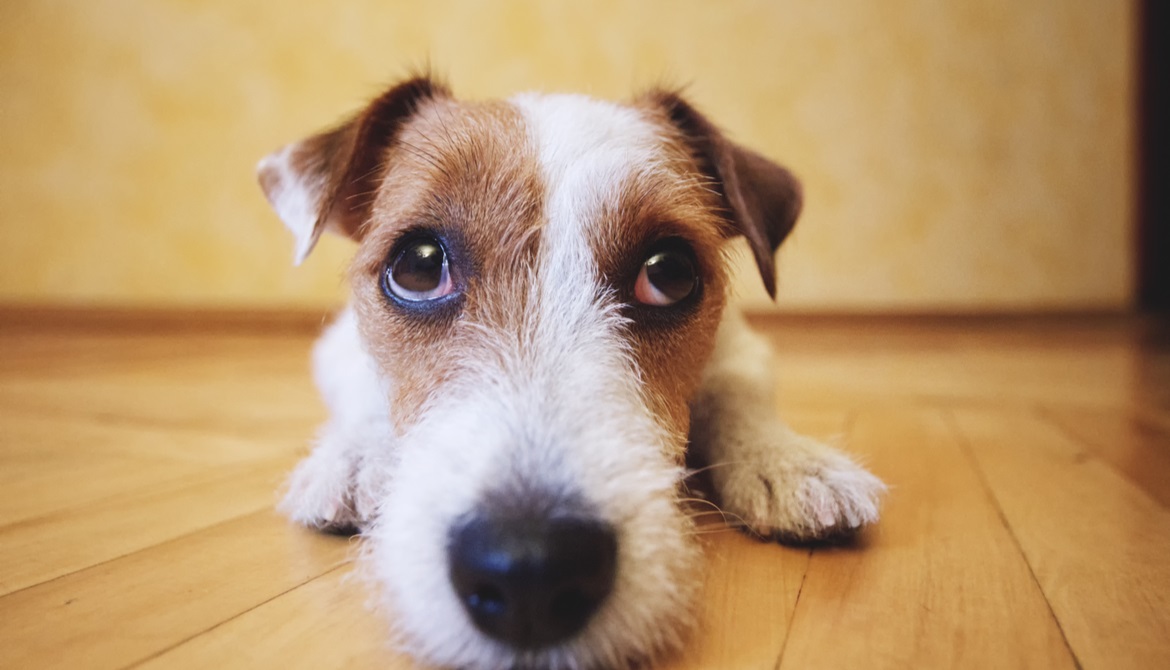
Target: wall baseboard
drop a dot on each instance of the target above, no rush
(309, 319)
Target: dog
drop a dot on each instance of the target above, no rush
(535, 349)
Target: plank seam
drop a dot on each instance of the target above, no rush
(846, 430)
(969, 453)
(205, 475)
(237, 615)
(795, 608)
(260, 510)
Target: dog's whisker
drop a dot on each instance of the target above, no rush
(708, 515)
(699, 532)
(728, 517)
(702, 501)
(706, 468)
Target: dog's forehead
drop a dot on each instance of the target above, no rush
(585, 141)
(615, 177)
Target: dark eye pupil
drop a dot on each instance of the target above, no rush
(419, 267)
(671, 273)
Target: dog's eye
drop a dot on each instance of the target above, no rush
(666, 277)
(419, 271)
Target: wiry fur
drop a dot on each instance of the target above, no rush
(546, 392)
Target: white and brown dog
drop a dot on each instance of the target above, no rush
(535, 342)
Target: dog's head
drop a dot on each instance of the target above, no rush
(539, 281)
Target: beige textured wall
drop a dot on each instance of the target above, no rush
(967, 154)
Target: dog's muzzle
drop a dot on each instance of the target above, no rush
(532, 582)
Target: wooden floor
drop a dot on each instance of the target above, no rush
(1026, 526)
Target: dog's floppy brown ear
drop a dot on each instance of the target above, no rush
(762, 198)
(327, 181)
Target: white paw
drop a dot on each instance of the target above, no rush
(801, 491)
(321, 493)
(338, 487)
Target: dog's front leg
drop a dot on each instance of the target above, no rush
(778, 483)
(339, 485)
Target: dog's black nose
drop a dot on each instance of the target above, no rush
(532, 582)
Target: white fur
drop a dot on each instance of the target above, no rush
(342, 481)
(293, 201)
(557, 405)
(774, 481)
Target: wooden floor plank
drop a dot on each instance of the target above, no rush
(967, 368)
(123, 611)
(1100, 547)
(286, 632)
(275, 409)
(33, 436)
(1125, 440)
(749, 593)
(929, 586)
(33, 484)
(46, 547)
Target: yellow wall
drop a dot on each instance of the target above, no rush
(958, 154)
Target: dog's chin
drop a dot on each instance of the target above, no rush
(631, 488)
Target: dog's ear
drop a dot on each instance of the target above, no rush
(327, 181)
(763, 199)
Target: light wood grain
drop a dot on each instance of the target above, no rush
(128, 609)
(1099, 546)
(33, 484)
(46, 547)
(1131, 442)
(1026, 524)
(929, 586)
(322, 625)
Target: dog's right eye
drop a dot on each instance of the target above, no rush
(667, 276)
(419, 271)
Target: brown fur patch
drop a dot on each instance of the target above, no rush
(760, 199)
(466, 172)
(671, 345)
(338, 169)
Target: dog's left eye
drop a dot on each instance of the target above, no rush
(419, 271)
(667, 277)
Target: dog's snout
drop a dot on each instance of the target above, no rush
(532, 582)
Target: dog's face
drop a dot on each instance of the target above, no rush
(539, 282)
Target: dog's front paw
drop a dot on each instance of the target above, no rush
(800, 491)
(321, 493)
(338, 487)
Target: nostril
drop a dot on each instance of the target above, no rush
(532, 582)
